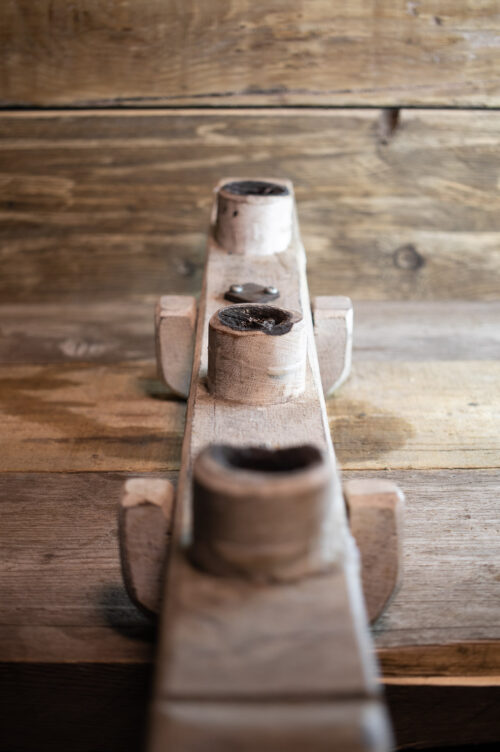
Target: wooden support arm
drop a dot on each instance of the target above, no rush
(333, 321)
(375, 508)
(175, 321)
(145, 519)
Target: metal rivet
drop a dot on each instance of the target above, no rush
(270, 290)
(236, 288)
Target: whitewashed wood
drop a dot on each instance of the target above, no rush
(175, 319)
(228, 638)
(376, 517)
(333, 325)
(145, 519)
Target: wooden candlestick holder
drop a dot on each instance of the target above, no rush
(263, 637)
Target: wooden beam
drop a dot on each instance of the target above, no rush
(85, 198)
(158, 52)
(313, 638)
(55, 416)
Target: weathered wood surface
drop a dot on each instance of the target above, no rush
(104, 205)
(41, 333)
(384, 53)
(66, 620)
(63, 598)
(88, 416)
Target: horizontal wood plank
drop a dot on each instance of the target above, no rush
(426, 330)
(43, 333)
(63, 598)
(236, 52)
(100, 206)
(46, 333)
(417, 415)
(86, 417)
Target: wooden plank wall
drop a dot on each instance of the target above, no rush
(396, 201)
(110, 204)
(240, 52)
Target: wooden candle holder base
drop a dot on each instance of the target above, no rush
(376, 518)
(263, 633)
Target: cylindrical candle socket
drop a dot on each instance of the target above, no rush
(254, 217)
(257, 354)
(262, 514)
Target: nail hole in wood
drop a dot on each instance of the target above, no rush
(255, 188)
(264, 318)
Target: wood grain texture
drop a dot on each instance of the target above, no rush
(376, 510)
(431, 330)
(418, 415)
(87, 417)
(43, 333)
(64, 601)
(99, 206)
(237, 52)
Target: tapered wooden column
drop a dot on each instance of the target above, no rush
(261, 513)
(257, 354)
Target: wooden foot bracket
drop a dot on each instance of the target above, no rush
(333, 321)
(175, 319)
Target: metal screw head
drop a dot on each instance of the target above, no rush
(236, 288)
(270, 290)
